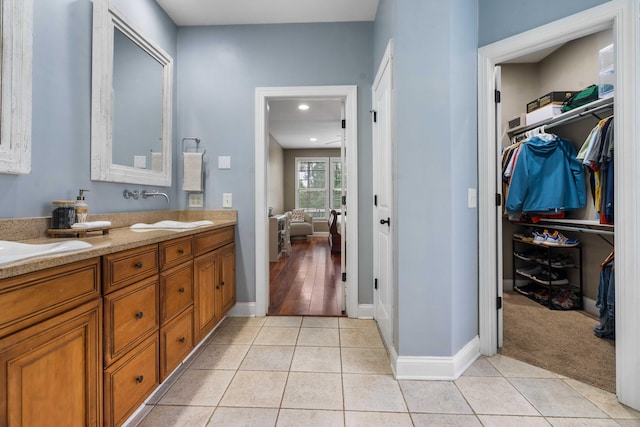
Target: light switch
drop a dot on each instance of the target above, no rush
(224, 162)
(226, 200)
(472, 198)
(140, 162)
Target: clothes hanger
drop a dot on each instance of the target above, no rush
(609, 258)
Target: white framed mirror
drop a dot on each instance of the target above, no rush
(16, 28)
(131, 106)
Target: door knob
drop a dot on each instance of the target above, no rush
(386, 221)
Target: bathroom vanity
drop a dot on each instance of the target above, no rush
(86, 337)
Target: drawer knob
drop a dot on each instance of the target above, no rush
(182, 340)
(222, 283)
(138, 264)
(218, 287)
(139, 315)
(139, 378)
(181, 251)
(181, 290)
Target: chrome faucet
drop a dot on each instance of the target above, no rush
(146, 194)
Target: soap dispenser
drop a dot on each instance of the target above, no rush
(82, 209)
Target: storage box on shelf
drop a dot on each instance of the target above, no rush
(553, 273)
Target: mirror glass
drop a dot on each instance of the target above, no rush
(131, 103)
(137, 105)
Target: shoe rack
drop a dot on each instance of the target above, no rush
(545, 274)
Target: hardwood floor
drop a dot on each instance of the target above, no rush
(306, 283)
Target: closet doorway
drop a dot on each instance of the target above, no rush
(614, 17)
(348, 96)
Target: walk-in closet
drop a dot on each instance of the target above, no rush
(556, 180)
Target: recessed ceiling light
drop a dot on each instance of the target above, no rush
(313, 139)
(303, 107)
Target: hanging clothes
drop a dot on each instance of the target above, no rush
(597, 154)
(606, 300)
(547, 177)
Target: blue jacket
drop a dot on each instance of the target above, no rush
(547, 178)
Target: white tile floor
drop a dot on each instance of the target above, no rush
(294, 371)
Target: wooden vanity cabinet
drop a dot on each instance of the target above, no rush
(213, 279)
(51, 355)
(176, 304)
(131, 324)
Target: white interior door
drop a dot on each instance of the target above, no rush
(383, 199)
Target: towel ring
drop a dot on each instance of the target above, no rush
(197, 141)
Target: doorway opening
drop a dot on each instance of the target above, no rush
(345, 96)
(618, 18)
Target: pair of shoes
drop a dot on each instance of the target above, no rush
(550, 277)
(526, 235)
(528, 255)
(554, 239)
(557, 261)
(529, 272)
(565, 299)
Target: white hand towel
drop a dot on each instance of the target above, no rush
(156, 162)
(91, 224)
(193, 169)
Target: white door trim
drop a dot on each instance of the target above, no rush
(263, 95)
(622, 16)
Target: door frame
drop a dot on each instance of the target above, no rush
(621, 15)
(347, 93)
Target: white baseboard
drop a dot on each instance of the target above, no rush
(589, 306)
(436, 368)
(243, 309)
(366, 311)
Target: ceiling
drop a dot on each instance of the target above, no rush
(293, 128)
(235, 12)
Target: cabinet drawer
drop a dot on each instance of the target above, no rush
(211, 240)
(175, 252)
(176, 291)
(129, 381)
(30, 298)
(126, 267)
(176, 341)
(130, 314)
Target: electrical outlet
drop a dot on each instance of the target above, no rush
(196, 200)
(226, 200)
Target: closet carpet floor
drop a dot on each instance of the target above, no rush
(334, 372)
(559, 341)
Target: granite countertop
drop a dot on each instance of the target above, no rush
(118, 239)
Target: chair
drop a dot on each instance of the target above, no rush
(286, 235)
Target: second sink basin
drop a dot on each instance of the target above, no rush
(15, 251)
(169, 224)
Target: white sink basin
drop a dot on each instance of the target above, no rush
(171, 225)
(15, 251)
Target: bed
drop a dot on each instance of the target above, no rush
(335, 239)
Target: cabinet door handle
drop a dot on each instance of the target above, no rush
(139, 315)
(181, 251)
(181, 290)
(222, 283)
(386, 221)
(139, 379)
(217, 286)
(138, 264)
(182, 340)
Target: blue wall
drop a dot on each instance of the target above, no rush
(61, 130)
(499, 19)
(435, 82)
(219, 69)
